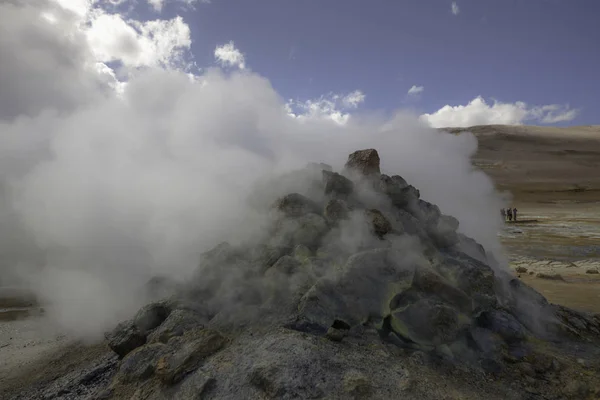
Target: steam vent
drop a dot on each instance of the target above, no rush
(358, 288)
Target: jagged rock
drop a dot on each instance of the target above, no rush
(286, 265)
(265, 256)
(366, 162)
(380, 224)
(336, 210)
(521, 270)
(428, 283)
(427, 322)
(296, 205)
(125, 338)
(177, 323)
(140, 364)
(188, 351)
(151, 316)
(426, 212)
(398, 190)
(503, 324)
(306, 230)
(337, 184)
(404, 222)
(576, 323)
(363, 288)
(592, 271)
(471, 276)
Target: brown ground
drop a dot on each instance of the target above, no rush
(580, 293)
(541, 165)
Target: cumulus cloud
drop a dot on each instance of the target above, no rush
(455, 9)
(416, 90)
(100, 192)
(228, 55)
(335, 107)
(138, 44)
(479, 112)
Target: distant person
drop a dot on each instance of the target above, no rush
(503, 212)
(514, 213)
(509, 214)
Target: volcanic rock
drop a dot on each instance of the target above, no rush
(365, 162)
(336, 210)
(125, 338)
(337, 184)
(382, 275)
(296, 205)
(380, 224)
(188, 352)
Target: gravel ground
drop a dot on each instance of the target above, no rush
(23, 343)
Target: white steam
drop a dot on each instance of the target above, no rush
(98, 195)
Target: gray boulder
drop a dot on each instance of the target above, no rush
(337, 185)
(177, 323)
(336, 210)
(140, 364)
(379, 223)
(363, 288)
(186, 354)
(503, 324)
(125, 337)
(306, 230)
(427, 322)
(296, 205)
(364, 162)
(398, 190)
(151, 316)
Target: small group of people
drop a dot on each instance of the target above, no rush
(509, 214)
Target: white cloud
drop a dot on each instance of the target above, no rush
(352, 100)
(415, 90)
(455, 9)
(553, 113)
(138, 44)
(479, 112)
(229, 56)
(334, 107)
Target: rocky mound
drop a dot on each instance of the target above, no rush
(350, 269)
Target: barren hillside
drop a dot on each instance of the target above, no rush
(541, 164)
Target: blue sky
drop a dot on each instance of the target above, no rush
(535, 51)
(468, 62)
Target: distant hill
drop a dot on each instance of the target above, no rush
(538, 163)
